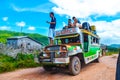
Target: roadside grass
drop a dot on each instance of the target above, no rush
(8, 63)
(111, 53)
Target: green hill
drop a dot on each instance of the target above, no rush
(6, 34)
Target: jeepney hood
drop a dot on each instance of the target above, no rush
(56, 48)
(61, 51)
(63, 48)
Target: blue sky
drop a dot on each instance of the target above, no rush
(33, 14)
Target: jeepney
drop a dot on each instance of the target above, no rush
(72, 48)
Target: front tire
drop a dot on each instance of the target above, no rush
(47, 68)
(74, 66)
(97, 60)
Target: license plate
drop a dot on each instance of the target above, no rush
(44, 55)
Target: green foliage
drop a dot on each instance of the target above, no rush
(112, 50)
(6, 34)
(3, 37)
(25, 57)
(5, 58)
(8, 63)
(6, 66)
(111, 53)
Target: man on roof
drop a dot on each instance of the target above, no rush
(52, 27)
(76, 23)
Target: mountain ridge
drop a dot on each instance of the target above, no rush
(115, 45)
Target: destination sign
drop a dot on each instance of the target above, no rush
(66, 31)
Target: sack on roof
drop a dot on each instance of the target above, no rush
(86, 26)
(93, 27)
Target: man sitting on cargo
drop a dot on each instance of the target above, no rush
(69, 24)
(76, 23)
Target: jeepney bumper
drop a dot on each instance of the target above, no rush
(55, 61)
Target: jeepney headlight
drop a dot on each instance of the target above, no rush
(48, 49)
(45, 55)
(42, 55)
(64, 48)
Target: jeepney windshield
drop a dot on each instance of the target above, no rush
(68, 40)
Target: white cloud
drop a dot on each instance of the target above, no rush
(5, 18)
(40, 8)
(4, 27)
(85, 8)
(109, 32)
(20, 24)
(31, 28)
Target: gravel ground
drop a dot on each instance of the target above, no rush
(105, 70)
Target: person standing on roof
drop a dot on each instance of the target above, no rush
(51, 28)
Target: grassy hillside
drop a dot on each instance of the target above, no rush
(5, 34)
(112, 50)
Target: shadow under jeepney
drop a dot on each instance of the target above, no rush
(55, 54)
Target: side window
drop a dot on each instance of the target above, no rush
(91, 39)
(97, 40)
(94, 40)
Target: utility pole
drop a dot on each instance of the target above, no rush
(21, 28)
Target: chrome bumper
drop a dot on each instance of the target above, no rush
(56, 61)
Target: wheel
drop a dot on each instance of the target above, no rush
(97, 60)
(74, 66)
(47, 68)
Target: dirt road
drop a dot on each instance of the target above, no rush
(105, 70)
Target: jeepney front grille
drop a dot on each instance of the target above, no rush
(54, 48)
(55, 52)
(48, 57)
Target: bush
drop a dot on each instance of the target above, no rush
(26, 64)
(6, 66)
(5, 58)
(25, 57)
(23, 61)
(111, 53)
